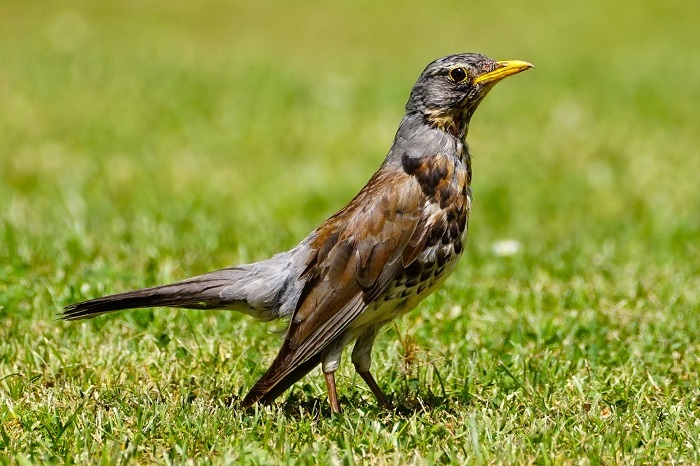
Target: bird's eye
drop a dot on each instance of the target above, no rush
(458, 75)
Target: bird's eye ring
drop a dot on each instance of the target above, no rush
(458, 75)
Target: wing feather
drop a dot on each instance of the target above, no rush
(360, 250)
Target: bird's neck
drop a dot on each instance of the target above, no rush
(418, 131)
(456, 124)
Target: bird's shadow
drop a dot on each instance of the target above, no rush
(300, 404)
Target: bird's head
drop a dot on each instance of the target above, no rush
(450, 89)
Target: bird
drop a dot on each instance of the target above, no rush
(374, 260)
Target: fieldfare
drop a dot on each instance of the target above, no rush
(372, 261)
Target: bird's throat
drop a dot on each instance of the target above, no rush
(455, 124)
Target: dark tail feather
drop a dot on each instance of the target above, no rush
(196, 293)
(266, 394)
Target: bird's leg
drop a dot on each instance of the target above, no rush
(381, 398)
(332, 392)
(362, 359)
(330, 363)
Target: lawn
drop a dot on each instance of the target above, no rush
(145, 142)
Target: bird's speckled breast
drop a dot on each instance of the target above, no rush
(445, 181)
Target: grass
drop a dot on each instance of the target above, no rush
(144, 142)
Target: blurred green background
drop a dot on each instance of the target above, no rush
(147, 141)
(240, 117)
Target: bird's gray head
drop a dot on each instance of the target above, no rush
(450, 89)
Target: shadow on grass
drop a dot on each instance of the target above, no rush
(301, 405)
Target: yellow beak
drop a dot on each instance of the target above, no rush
(505, 69)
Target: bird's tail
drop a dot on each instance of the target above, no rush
(254, 289)
(198, 293)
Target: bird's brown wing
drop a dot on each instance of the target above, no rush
(358, 251)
